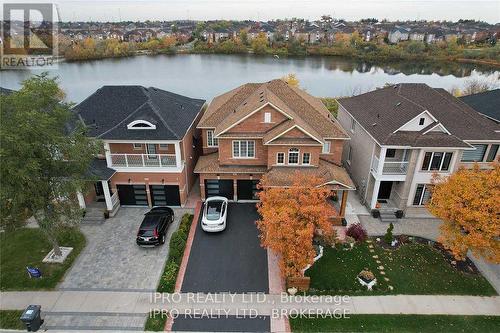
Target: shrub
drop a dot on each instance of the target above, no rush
(357, 232)
(388, 238)
(169, 277)
(175, 254)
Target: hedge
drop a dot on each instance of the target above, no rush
(175, 254)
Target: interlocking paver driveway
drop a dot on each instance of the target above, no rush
(112, 261)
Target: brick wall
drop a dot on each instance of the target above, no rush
(226, 154)
(255, 123)
(144, 178)
(335, 156)
(128, 148)
(273, 150)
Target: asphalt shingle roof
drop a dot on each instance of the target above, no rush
(109, 110)
(487, 103)
(307, 111)
(382, 112)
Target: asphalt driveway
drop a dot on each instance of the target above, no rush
(230, 261)
(113, 261)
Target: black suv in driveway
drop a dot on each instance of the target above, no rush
(154, 226)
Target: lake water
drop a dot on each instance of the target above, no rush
(205, 76)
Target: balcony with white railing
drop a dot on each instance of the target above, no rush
(143, 160)
(389, 167)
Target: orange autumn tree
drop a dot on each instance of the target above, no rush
(289, 218)
(469, 204)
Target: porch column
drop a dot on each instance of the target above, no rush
(235, 190)
(376, 187)
(381, 161)
(343, 203)
(107, 195)
(177, 147)
(81, 200)
(107, 152)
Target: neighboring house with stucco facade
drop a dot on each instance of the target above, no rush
(269, 129)
(149, 146)
(402, 134)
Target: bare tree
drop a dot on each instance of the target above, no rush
(474, 86)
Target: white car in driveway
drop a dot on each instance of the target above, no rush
(214, 214)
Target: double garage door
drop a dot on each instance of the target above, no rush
(246, 189)
(161, 195)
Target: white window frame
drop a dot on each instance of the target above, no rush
(277, 158)
(211, 140)
(137, 146)
(267, 117)
(326, 147)
(440, 164)
(353, 124)
(293, 151)
(239, 143)
(149, 126)
(308, 158)
(421, 199)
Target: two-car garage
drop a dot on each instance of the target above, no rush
(161, 195)
(246, 189)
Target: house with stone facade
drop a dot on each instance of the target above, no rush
(149, 150)
(402, 134)
(269, 129)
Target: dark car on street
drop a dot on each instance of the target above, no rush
(154, 226)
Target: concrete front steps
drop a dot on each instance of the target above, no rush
(93, 215)
(388, 216)
(93, 321)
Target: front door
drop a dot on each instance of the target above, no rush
(384, 192)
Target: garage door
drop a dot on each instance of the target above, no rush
(165, 195)
(219, 187)
(132, 195)
(247, 189)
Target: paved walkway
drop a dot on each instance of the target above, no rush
(109, 303)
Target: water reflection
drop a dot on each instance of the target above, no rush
(209, 75)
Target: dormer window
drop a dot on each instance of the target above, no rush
(141, 124)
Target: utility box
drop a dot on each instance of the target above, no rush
(31, 317)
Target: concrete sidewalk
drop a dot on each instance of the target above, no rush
(121, 303)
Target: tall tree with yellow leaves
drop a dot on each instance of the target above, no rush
(468, 202)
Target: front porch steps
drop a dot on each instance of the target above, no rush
(93, 215)
(388, 216)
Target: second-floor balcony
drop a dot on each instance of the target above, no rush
(143, 160)
(389, 167)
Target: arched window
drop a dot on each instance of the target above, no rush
(141, 124)
(293, 156)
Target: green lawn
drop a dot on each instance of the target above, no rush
(9, 319)
(411, 269)
(156, 323)
(398, 323)
(27, 247)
